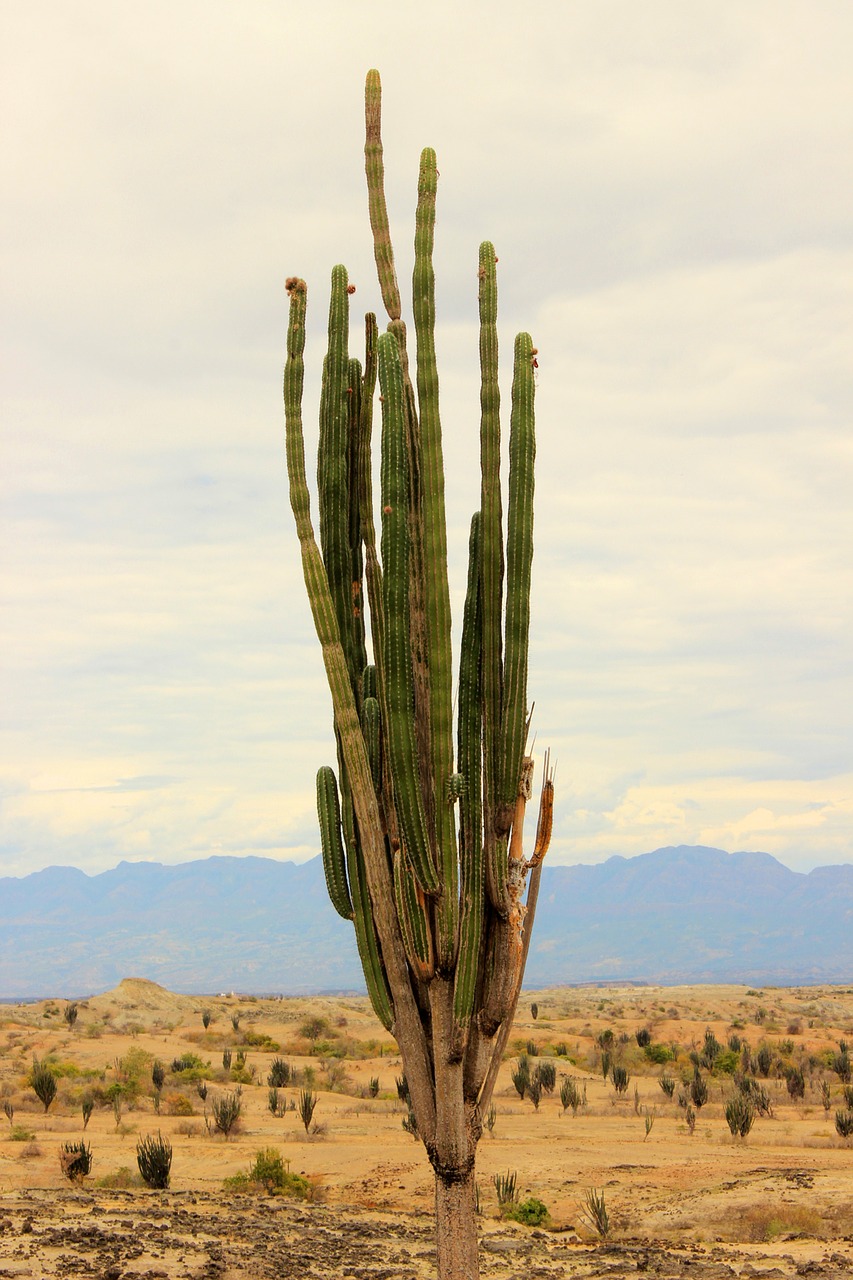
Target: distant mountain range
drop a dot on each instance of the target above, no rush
(678, 915)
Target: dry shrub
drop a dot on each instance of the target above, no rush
(177, 1104)
(31, 1151)
(763, 1223)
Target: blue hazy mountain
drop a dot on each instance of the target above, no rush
(684, 914)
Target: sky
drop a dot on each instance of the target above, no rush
(670, 193)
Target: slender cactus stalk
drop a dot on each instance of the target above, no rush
(436, 892)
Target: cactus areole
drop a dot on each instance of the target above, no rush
(421, 822)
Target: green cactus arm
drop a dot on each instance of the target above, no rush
(367, 942)
(491, 577)
(333, 467)
(370, 724)
(522, 452)
(470, 804)
(331, 844)
(355, 445)
(397, 657)
(413, 914)
(436, 587)
(375, 170)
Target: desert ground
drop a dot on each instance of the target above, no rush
(684, 1197)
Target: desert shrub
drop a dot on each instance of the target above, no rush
(178, 1104)
(766, 1222)
(841, 1065)
(235, 1021)
(226, 1111)
(698, 1090)
(764, 1060)
(43, 1083)
(594, 1211)
(546, 1073)
(561, 1049)
(189, 1068)
(735, 1043)
(532, 1212)
(124, 1179)
(740, 1115)
(272, 1174)
(786, 1048)
(643, 1037)
(532, 1049)
(844, 1123)
(259, 1040)
(154, 1158)
(20, 1133)
(75, 1160)
(726, 1063)
(506, 1188)
(521, 1075)
(658, 1053)
(306, 1105)
(796, 1082)
(667, 1084)
(619, 1077)
(314, 1028)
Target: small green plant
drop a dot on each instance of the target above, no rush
(154, 1159)
(506, 1188)
(740, 1114)
(75, 1160)
(305, 1106)
(19, 1133)
(531, 1213)
(226, 1111)
(315, 1028)
(594, 1212)
(271, 1173)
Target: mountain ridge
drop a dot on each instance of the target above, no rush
(682, 913)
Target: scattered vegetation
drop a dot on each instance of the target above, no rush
(154, 1158)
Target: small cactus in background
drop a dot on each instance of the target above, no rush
(226, 1111)
(547, 1074)
(158, 1075)
(534, 1011)
(69, 1013)
(9, 1110)
(306, 1106)
(43, 1083)
(226, 1059)
(279, 1073)
(154, 1160)
(521, 1075)
(422, 829)
(87, 1106)
(75, 1160)
(844, 1124)
(667, 1084)
(206, 1018)
(594, 1211)
(570, 1095)
(740, 1115)
(619, 1078)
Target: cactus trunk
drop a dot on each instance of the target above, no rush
(425, 854)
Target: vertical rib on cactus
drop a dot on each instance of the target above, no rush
(436, 586)
(491, 578)
(397, 656)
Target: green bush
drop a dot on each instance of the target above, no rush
(659, 1053)
(532, 1212)
(272, 1174)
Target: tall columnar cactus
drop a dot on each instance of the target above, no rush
(422, 828)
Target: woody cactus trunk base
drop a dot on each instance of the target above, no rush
(421, 824)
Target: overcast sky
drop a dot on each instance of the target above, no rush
(670, 190)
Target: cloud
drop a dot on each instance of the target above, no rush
(672, 222)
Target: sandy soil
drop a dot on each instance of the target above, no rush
(779, 1203)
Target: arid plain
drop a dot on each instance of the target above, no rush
(683, 1196)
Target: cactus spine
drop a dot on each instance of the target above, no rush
(423, 853)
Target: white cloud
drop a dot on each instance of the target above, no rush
(664, 187)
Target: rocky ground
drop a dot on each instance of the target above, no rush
(185, 1235)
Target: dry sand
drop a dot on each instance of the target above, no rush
(705, 1205)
